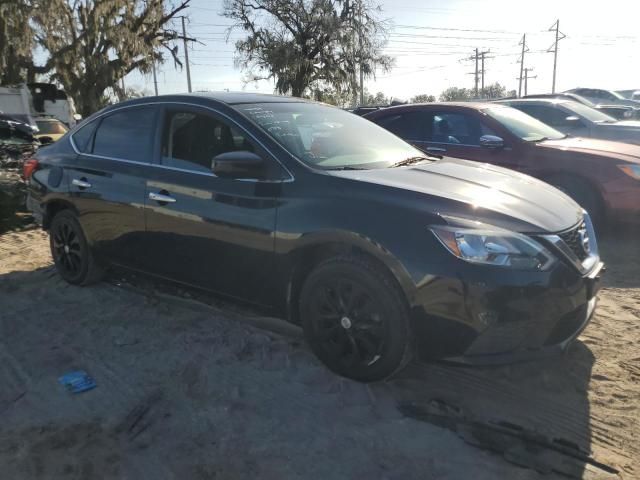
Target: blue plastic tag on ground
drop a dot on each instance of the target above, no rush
(77, 382)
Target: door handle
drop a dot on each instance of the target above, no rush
(436, 149)
(81, 183)
(161, 198)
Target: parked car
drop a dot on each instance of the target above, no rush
(603, 177)
(50, 129)
(578, 120)
(376, 249)
(630, 94)
(599, 95)
(16, 141)
(619, 112)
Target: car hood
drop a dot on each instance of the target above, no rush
(616, 150)
(480, 192)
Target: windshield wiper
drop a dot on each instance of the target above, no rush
(410, 161)
(346, 167)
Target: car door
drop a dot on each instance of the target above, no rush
(107, 180)
(456, 133)
(209, 231)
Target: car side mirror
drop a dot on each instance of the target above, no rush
(242, 164)
(491, 141)
(45, 140)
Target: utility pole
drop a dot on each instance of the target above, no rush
(525, 76)
(482, 58)
(478, 73)
(360, 42)
(155, 79)
(523, 42)
(554, 48)
(186, 54)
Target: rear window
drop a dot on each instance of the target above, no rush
(126, 134)
(52, 127)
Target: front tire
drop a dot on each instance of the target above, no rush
(70, 251)
(355, 319)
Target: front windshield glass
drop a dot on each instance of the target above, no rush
(523, 125)
(327, 137)
(589, 113)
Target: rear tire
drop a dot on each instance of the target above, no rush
(584, 195)
(355, 319)
(71, 253)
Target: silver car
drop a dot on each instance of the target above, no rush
(578, 120)
(600, 95)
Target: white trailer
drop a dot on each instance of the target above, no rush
(37, 100)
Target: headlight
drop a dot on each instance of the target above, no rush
(495, 247)
(631, 170)
(628, 114)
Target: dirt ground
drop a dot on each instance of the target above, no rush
(190, 387)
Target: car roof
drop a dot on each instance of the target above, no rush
(418, 106)
(555, 101)
(229, 98)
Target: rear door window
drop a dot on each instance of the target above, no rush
(407, 125)
(126, 134)
(457, 128)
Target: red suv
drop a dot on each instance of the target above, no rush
(602, 176)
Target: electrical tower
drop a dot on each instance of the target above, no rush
(525, 76)
(554, 48)
(522, 42)
(478, 74)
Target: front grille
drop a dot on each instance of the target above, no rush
(574, 240)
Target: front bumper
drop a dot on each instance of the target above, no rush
(507, 318)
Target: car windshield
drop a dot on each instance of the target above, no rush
(523, 125)
(589, 113)
(327, 137)
(51, 127)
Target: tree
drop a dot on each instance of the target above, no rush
(309, 45)
(423, 98)
(494, 91)
(377, 99)
(92, 44)
(454, 94)
(16, 41)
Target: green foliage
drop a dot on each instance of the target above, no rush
(309, 46)
(92, 44)
(423, 98)
(16, 41)
(456, 94)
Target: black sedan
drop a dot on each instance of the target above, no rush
(377, 251)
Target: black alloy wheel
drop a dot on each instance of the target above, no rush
(71, 253)
(355, 319)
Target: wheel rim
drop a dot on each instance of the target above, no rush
(349, 323)
(66, 247)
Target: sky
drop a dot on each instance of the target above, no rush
(432, 42)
